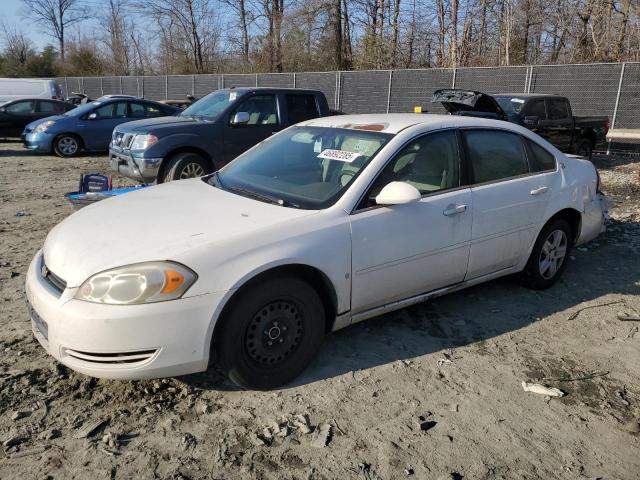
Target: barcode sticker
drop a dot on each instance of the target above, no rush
(339, 155)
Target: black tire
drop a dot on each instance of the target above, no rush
(67, 145)
(584, 148)
(270, 334)
(185, 165)
(540, 272)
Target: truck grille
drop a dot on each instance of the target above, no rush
(58, 284)
(122, 140)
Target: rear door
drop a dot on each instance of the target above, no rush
(47, 108)
(264, 120)
(509, 199)
(560, 123)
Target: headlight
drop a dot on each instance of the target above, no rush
(142, 142)
(147, 282)
(43, 126)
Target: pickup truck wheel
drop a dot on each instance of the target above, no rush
(66, 145)
(185, 165)
(270, 334)
(549, 256)
(584, 148)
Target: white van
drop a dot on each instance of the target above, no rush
(16, 88)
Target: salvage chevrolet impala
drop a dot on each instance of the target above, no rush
(324, 224)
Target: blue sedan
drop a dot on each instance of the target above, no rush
(88, 127)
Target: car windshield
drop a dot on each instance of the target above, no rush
(212, 105)
(302, 167)
(82, 109)
(511, 104)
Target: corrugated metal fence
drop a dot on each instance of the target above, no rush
(610, 89)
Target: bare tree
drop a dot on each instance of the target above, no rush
(56, 16)
(17, 46)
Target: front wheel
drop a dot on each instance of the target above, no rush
(66, 146)
(186, 165)
(269, 334)
(549, 255)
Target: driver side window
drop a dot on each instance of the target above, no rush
(262, 109)
(429, 163)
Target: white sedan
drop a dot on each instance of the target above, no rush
(327, 223)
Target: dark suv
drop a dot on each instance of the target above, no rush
(210, 133)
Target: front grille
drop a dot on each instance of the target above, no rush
(126, 141)
(128, 358)
(58, 284)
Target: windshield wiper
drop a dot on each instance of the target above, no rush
(261, 196)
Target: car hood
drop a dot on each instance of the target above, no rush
(465, 102)
(158, 124)
(55, 118)
(162, 222)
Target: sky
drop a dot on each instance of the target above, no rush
(12, 13)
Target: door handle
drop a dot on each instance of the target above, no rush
(454, 210)
(539, 190)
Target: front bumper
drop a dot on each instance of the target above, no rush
(141, 169)
(38, 142)
(121, 341)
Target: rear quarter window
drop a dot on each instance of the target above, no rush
(541, 160)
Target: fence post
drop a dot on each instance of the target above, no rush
(138, 85)
(82, 84)
(193, 85)
(453, 84)
(389, 91)
(256, 80)
(221, 81)
(101, 86)
(66, 87)
(166, 87)
(294, 79)
(530, 78)
(615, 108)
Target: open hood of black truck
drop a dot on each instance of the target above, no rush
(468, 102)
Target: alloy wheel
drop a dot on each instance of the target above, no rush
(553, 254)
(68, 145)
(192, 170)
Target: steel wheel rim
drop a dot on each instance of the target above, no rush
(68, 145)
(554, 251)
(274, 333)
(192, 170)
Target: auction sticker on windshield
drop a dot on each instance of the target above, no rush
(339, 155)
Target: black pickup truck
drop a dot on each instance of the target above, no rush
(210, 133)
(550, 116)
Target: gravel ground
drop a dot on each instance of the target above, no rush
(430, 392)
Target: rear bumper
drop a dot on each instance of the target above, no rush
(138, 168)
(593, 219)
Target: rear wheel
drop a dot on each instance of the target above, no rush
(186, 165)
(66, 145)
(549, 255)
(270, 334)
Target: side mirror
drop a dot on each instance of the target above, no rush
(240, 118)
(398, 193)
(531, 121)
(92, 116)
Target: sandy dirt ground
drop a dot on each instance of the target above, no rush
(430, 392)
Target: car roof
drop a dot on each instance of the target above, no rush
(271, 89)
(395, 122)
(528, 95)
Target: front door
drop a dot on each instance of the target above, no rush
(405, 250)
(15, 117)
(509, 202)
(559, 127)
(96, 129)
(263, 122)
